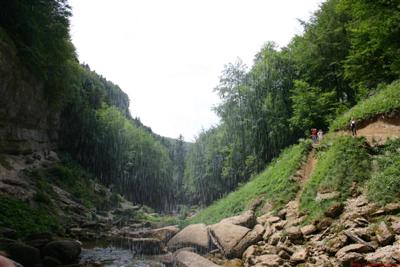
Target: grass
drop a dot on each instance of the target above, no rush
(18, 215)
(275, 185)
(341, 161)
(384, 186)
(386, 100)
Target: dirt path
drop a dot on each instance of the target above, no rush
(378, 131)
(303, 175)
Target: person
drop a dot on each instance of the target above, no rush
(4, 262)
(320, 135)
(314, 135)
(353, 127)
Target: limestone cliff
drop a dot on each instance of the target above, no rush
(27, 123)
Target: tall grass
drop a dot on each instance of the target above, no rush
(275, 185)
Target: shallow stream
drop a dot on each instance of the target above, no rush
(115, 255)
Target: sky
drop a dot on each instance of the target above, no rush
(168, 55)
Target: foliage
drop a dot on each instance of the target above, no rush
(342, 161)
(275, 185)
(384, 186)
(374, 33)
(311, 107)
(386, 100)
(18, 215)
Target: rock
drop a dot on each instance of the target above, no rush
(5, 243)
(225, 236)
(350, 258)
(66, 251)
(324, 223)
(233, 263)
(392, 208)
(280, 225)
(308, 229)
(282, 214)
(26, 255)
(332, 245)
(268, 232)
(268, 260)
(275, 238)
(335, 210)
(294, 233)
(52, 156)
(383, 234)
(246, 219)
(299, 255)
(195, 235)
(385, 255)
(359, 248)
(8, 233)
(284, 255)
(249, 252)
(249, 239)
(327, 196)
(190, 259)
(273, 219)
(396, 227)
(164, 234)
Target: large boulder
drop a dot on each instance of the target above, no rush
(195, 235)
(26, 255)
(384, 234)
(246, 219)
(164, 234)
(190, 259)
(226, 236)
(66, 251)
(249, 239)
(386, 255)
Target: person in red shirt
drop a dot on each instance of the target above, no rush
(314, 135)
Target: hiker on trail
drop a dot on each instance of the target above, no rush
(314, 135)
(320, 135)
(353, 127)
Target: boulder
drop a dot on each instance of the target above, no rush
(246, 219)
(359, 248)
(226, 236)
(300, 255)
(195, 235)
(294, 233)
(191, 259)
(350, 259)
(249, 239)
(66, 251)
(386, 255)
(308, 229)
(26, 255)
(333, 244)
(164, 234)
(327, 196)
(274, 219)
(383, 234)
(275, 238)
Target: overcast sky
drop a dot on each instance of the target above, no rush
(167, 55)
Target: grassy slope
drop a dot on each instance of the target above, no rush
(341, 161)
(386, 100)
(275, 185)
(384, 186)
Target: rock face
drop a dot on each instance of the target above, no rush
(195, 235)
(30, 125)
(191, 259)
